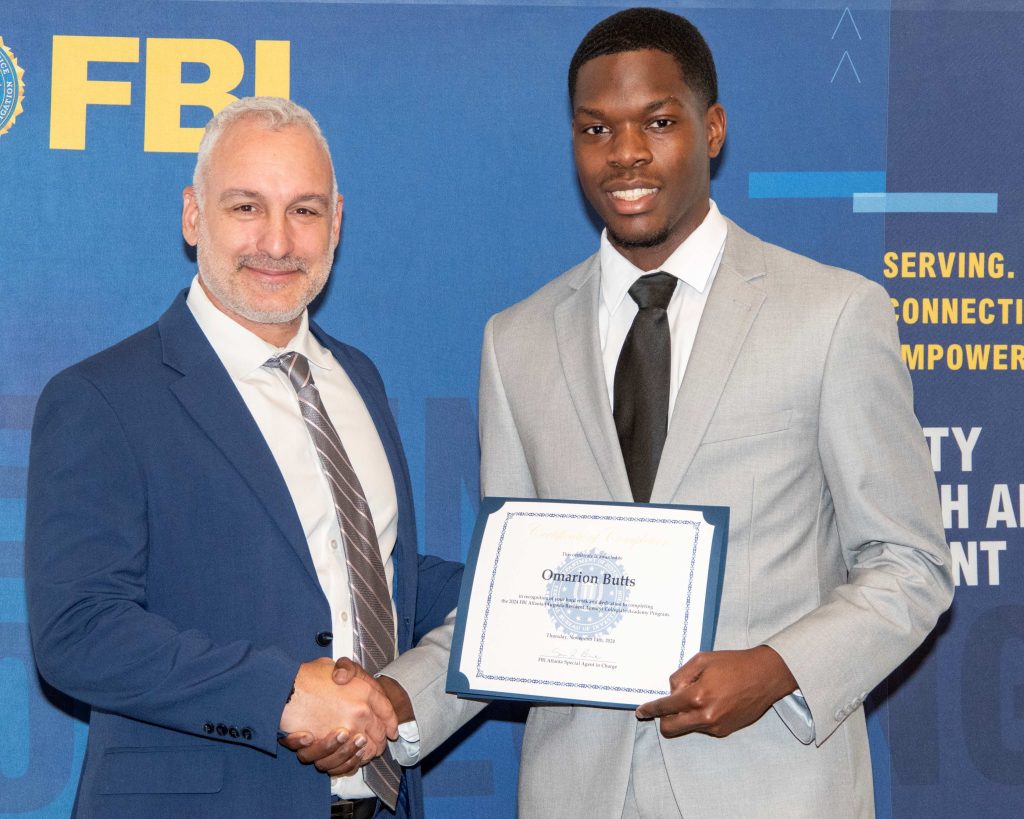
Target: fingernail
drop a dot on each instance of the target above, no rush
(305, 740)
(342, 737)
(360, 742)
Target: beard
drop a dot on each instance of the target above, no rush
(651, 240)
(224, 279)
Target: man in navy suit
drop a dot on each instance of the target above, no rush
(188, 560)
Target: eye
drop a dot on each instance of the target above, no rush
(245, 207)
(596, 130)
(305, 211)
(662, 122)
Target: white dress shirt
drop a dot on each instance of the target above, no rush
(272, 401)
(695, 263)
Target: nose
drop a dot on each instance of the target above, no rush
(629, 148)
(276, 239)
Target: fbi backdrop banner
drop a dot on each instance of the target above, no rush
(879, 136)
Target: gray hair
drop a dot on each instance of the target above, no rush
(274, 113)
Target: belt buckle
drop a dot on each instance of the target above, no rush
(342, 810)
(353, 808)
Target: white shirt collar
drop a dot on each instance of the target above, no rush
(693, 261)
(240, 350)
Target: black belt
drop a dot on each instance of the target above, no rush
(353, 808)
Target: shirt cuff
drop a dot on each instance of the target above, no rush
(406, 749)
(796, 715)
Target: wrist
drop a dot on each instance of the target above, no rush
(399, 699)
(780, 679)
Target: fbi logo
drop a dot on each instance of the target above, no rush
(12, 88)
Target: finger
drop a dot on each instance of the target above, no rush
(663, 707)
(691, 670)
(677, 725)
(346, 768)
(382, 708)
(344, 761)
(322, 748)
(376, 736)
(297, 741)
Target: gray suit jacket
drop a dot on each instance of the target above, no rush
(796, 412)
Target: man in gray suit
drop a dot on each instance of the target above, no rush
(689, 362)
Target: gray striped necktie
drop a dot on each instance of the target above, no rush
(371, 600)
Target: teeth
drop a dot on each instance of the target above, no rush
(634, 194)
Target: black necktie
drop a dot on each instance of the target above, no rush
(642, 383)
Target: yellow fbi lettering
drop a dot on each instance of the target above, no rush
(73, 92)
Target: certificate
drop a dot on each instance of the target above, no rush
(584, 602)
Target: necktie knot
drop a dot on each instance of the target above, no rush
(653, 290)
(294, 365)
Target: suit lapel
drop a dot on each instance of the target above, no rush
(207, 393)
(579, 348)
(735, 299)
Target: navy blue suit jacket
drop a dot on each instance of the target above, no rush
(170, 585)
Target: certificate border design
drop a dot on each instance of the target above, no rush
(695, 525)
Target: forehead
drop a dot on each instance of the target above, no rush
(630, 75)
(250, 154)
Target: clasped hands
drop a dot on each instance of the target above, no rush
(338, 718)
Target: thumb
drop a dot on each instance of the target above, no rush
(344, 671)
(297, 741)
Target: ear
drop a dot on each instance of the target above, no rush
(189, 215)
(714, 126)
(336, 221)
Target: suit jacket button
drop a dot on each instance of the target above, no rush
(208, 727)
(324, 638)
(222, 729)
(233, 732)
(246, 733)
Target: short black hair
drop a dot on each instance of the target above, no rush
(641, 28)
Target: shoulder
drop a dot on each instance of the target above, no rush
(538, 308)
(122, 366)
(797, 281)
(99, 394)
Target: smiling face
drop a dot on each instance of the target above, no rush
(266, 228)
(643, 145)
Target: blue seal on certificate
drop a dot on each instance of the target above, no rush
(587, 594)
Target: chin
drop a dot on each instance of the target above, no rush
(638, 239)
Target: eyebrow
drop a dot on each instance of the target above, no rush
(242, 193)
(651, 106)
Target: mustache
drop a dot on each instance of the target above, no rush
(270, 263)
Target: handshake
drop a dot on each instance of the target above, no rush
(339, 717)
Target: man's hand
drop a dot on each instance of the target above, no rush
(718, 692)
(353, 717)
(343, 752)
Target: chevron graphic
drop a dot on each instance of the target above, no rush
(848, 59)
(847, 13)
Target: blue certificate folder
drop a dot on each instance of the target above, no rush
(478, 589)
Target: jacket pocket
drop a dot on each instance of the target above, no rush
(193, 769)
(747, 426)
